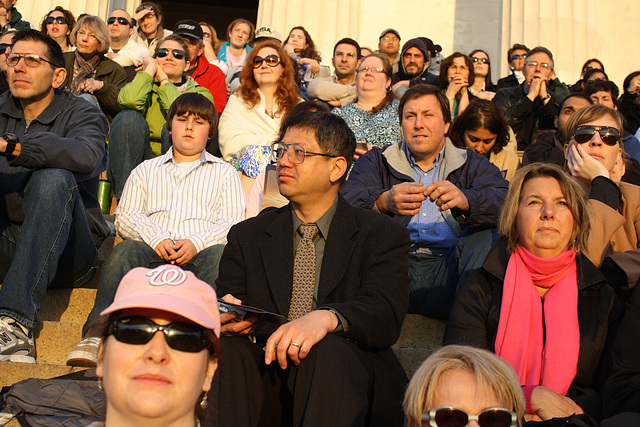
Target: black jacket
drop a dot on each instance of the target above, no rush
(509, 81)
(630, 109)
(476, 312)
(425, 76)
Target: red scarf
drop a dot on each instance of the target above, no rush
(549, 361)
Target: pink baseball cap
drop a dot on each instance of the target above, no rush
(168, 288)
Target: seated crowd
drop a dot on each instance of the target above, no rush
(406, 182)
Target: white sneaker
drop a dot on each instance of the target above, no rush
(85, 354)
(16, 342)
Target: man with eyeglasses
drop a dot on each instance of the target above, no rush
(10, 18)
(515, 57)
(414, 68)
(533, 105)
(447, 197)
(389, 46)
(123, 49)
(204, 73)
(338, 273)
(339, 89)
(52, 152)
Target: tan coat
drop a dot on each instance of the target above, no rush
(615, 233)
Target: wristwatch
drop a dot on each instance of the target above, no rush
(12, 141)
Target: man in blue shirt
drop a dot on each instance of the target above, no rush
(449, 198)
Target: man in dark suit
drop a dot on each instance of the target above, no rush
(331, 364)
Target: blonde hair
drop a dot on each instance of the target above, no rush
(99, 29)
(574, 195)
(589, 114)
(490, 371)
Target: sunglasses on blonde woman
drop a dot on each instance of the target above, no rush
(609, 135)
(450, 416)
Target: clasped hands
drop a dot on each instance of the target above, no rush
(407, 197)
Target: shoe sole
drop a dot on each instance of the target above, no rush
(18, 358)
(81, 362)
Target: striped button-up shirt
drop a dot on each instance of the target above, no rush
(162, 200)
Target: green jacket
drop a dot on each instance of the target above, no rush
(16, 22)
(111, 74)
(153, 101)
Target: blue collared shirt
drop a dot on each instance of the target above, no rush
(428, 229)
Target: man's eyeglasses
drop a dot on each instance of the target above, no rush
(534, 64)
(136, 330)
(51, 19)
(271, 60)
(454, 417)
(177, 53)
(31, 59)
(516, 57)
(120, 19)
(483, 60)
(390, 39)
(295, 152)
(4, 47)
(371, 69)
(609, 135)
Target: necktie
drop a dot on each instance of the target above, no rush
(304, 272)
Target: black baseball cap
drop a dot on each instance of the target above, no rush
(188, 28)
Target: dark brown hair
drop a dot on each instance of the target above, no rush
(448, 62)
(68, 16)
(309, 51)
(420, 90)
(194, 104)
(481, 114)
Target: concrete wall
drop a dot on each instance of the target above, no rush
(574, 30)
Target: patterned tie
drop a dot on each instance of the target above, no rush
(304, 272)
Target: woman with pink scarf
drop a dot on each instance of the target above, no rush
(540, 304)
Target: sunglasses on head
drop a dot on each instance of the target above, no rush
(120, 19)
(609, 135)
(51, 19)
(483, 60)
(454, 417)
(162, 52)
(4, 47)
(140, 330)
(143, 6)
(271, 60)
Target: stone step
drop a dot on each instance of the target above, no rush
(11, 373)
(54, 341)
(67, 305)
(420, 336)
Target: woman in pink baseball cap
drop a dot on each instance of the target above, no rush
(152, 378)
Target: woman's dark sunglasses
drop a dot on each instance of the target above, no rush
(4, 47)
(121, 20)
(139, 330)
(271, 60)
(454, 417)
(609, 135)
(483, 60)
(177, 53)
(59, 19)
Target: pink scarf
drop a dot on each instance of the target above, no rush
(549, 361)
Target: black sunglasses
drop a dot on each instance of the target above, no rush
(483, 60)
(143, 6)
(140, 330)
(177, 53)
(514, 57)
(271, 60)
(59, 19)
(120, 19)
(4, 47)
(609, 135)
(454, 417)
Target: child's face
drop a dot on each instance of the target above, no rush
(189, 134)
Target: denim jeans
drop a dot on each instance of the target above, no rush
(130, 254)
(53, 247)
(128, 147)
(435, 278)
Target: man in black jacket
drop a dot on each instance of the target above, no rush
(414, 67)
(516, 56)
(52, 151)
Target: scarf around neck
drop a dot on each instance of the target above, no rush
(540, 337)
(85, 69)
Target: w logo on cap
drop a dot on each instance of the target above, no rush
(167, 275)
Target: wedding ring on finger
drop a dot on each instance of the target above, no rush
(295, 344)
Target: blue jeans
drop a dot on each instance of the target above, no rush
(53, 247)
(435, 278)
(128, 147)
(130, 254)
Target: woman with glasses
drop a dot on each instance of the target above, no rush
(482, 86)
(458, 384)
(302, 51)
(538, 302)
(251, 119)
(136, 133)
(595, 158)
(6, 40)
(373, 117)
(58, 24)
(457, 75)
(89, 72)
(159, 348)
